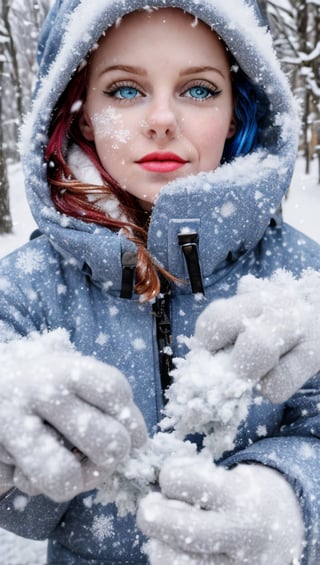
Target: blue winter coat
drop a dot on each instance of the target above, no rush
(71, 276)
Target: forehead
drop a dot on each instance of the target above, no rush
(158, 17)
(157, 30)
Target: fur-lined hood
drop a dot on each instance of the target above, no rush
(231, 207)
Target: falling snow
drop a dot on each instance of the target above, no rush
(261, 431)
(139, 344)
(20, 502)
(102, 339)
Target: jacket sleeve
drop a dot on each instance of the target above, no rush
(22, 307)
(22, 312)
(33, 517)
(295, 452)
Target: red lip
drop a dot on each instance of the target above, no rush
(161, 162)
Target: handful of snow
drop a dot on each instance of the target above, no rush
(206, 397)
(209, 397)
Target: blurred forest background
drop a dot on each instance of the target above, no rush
(294, 24)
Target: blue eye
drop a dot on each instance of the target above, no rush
(199, 92)
(125, 92)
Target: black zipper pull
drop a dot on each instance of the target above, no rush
(161, 312)
(128, 260)
(189, 245)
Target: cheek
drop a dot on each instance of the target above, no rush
(209, 144)
(214, 124)
(216, 127)
(108, 125)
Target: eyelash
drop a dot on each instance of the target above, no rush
(212, 91)
(116, 86)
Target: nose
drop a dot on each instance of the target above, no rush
(161, 119)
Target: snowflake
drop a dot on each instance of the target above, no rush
(139, 344)
(307, 451)
(261, 431)
(102, 339)
(20, 503)
(87, 501)
(62, 289)
(102, 527)
(4, 284)
(30, 261)
(32, 296)
(113, 311)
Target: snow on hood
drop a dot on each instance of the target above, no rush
(244, 194)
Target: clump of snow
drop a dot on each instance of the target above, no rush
(207, 397)
(135, 477)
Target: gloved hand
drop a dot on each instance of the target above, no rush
(209, 515)
(273, 328)
(53, 399)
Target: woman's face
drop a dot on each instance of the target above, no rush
(159, 101)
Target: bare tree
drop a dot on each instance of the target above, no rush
(20, 22)
(295, 25)
(5, 218)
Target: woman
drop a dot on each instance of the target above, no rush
(156, 156)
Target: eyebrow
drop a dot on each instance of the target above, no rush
(125, 68)
(201, 69)
(140, 71)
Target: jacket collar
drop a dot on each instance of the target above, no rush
(229, 211)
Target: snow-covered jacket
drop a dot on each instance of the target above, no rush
(71, 276)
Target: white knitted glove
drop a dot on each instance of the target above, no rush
(273, 328)
(66, 421)
(209, 515)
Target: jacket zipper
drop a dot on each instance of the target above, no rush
(161, 313)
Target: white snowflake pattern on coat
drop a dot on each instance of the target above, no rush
(30, 261)
(102, 527)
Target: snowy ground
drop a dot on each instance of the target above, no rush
(301, 209)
